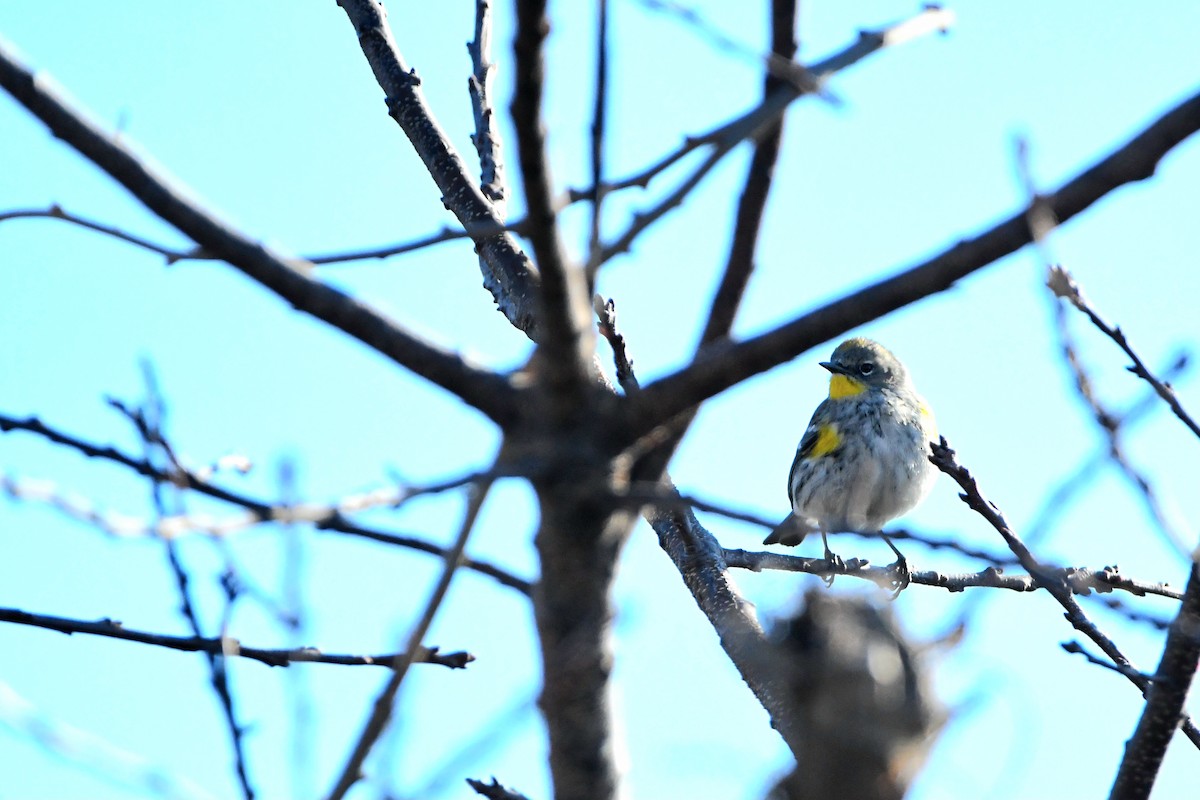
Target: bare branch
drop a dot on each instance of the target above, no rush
(225, 645)
(382, 711)
(1076, 648)
(748, 222)
(753, 202)
(487, 136)
(778, 65)
(1080, 580)
(1164, 711)
(148, 420)
(323, 517)
(494, 790)
(754, 123)
(567, 340)
(1064, 286)
(719, 368)
(701, 562)
(486, 391)
(446, 234)
(57, 212)
(508, 275)
(174, 255)
(1109, 425)
(606, 316)
(1134, 615)
(1057, 500)
(943, 459)
(599, 131)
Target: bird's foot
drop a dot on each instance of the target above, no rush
(901, 576)
(834, 562)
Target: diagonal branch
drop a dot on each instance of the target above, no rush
(701, 563)
(755, 192)
(719, 367)
(225, 645)
(1057, 500)
(748, 223)
(508, 275)
(486, 391)
(1165, 700)
(1109, 422)
(944, 459)
(1064, 286)
(382, 711)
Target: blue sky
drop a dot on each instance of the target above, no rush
(268, 113)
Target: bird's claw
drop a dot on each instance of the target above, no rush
(835, 565)
(901, 576)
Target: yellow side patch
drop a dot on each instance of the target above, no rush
(828, 440)
(844, 386)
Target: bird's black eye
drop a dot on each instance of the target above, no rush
(866, 368)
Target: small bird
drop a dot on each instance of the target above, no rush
(864, 458)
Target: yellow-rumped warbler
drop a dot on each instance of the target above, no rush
(864, 458)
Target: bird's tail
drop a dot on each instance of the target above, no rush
(790, 532)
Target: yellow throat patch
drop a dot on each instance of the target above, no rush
(841, 386)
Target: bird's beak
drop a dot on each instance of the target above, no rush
(836, 369)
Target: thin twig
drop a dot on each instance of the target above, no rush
(174, 255)
(495, 790)
(382, 710)
(757, 187)
(57, 212)
(1056, 500)
(606, 317)
(148, 420)
(779, 66)
(1110, 429)
(1063, 285)
(944, 459)
(1134, 615)
(330, 518)
(1081, 581)
(599, 124)
(1042, 222)
(487, 136)
(226, 646)
(1076, 648)
(756, 122)
(446, 234)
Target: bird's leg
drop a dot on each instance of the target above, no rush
(900, 567)
(836, 563)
